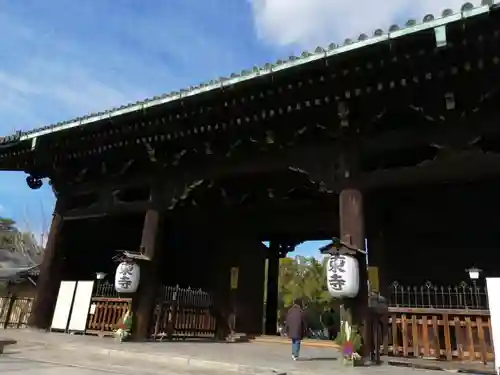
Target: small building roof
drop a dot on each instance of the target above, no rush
(14, 259)
(15, 274)
(14, 266)
(338, 245)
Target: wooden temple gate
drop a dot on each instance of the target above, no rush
(367, 140)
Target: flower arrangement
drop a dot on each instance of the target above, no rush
(349, 341)
(124, 327)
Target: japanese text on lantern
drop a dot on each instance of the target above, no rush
(126, 272)
(336, 268)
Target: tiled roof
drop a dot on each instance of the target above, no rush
(395, 31)
(12, 260)
(7, 274)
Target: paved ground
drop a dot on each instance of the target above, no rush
(16, 366)
(45, 353)
(237, 357)
(13, 365)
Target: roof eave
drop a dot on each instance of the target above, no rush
(268, 69)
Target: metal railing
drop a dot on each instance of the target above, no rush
(183, 312)
(105, 289)
(462, 296)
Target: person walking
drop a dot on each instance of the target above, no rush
(296, 327)
(329, 323)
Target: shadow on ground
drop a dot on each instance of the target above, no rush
(317, 359)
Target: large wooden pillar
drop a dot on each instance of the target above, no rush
(352, 232)
(273, 264)
(49, 279)
(145, 298)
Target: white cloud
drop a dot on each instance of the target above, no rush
(308, 23)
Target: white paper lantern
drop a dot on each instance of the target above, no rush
(127, 277)
(342, 276)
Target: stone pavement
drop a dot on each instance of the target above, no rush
(14, 365)
(165, 357)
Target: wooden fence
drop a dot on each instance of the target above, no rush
(107, 308)
(15, 311)
(179, 313)
(183, 313)
(445, 323)
(105, 314)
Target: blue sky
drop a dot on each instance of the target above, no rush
(60, 59)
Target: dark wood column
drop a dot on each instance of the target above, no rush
(49, 279)
(145, 298)
(273, 265)
(352, 232)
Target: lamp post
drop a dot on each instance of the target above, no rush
(100, 276)
(474, 273)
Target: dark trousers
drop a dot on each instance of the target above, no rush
(333, 333)
(330, 333)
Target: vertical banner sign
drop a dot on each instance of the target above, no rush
(234, 277)
(64, 302)
(81, 306)
(373, 279)
(493, 286)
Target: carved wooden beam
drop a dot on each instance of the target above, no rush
(458, 133)
(312, 158)
(100, 211)
(314, 223)
(468, 166)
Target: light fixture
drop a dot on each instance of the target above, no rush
(100, 275)
(440, 35)
(449, 99)
(33, 182)
(473, 273)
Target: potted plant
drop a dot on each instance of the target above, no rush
(124, 327)
(349, 341)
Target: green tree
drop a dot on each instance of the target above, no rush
(15, 241)
(7, 224)
(303, 278)
(8, 232)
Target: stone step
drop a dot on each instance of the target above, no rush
(238, 337)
